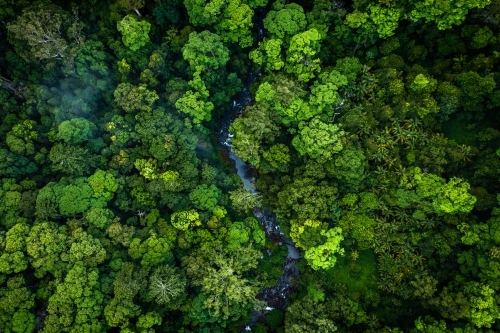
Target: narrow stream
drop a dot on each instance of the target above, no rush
(275, 297)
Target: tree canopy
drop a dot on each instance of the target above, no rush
(280, 166)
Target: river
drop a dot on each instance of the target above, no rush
(274, 297)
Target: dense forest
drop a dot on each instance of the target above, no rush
(372, 136)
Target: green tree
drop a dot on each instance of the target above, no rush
(13, 165)
(323, 256)
(84, 249)
(148, 320)
(278, 157)
(17, 304)
(226, 293)
(134, 98)
(70, 159)
(303, 47)
(128, 282)
(205, 197)
(167, 285)
(45, 243)
(447, 13)
(256, 126)
(23, 321)
(268, 54)
(103, 184)
(318, 140)
(75, 198)
(19, 146)
(75, 131)
(202, 13)
(166, 10)
(282, 24)
(13, 259)
(324, 93)
(153, 251)
(193, 104)
(348, 167)
(237, 235)
(99, 217)
(205, 50)
(244, 201)
(309, 316)
(77, 301)
(183, 220)
(134, 33)
(306, 198)
(45, 33)
(474, 88)
(92, 65)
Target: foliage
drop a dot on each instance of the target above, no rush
(370, 133)
(167, 286)
(75, 131)
(318, 140)
(45, 33)
(134, 33)
(205, 50)
(323, 255)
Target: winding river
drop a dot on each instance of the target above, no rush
(275, 297)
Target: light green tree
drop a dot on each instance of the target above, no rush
(45, 243)
(454, 198)
(77, 301)
(202, 13)
(307, 234)
(285, 22)
(244, 201)
(184, 219)
(445, 13)
(145, 322)
(205, 197)
(324, 92)
(236, 23)
(226, 293)
(103, 184)
(194, 105)
(205, 50)
(152, 251)
(484, 309)
(134, 33)
(268, 54)
(99, 217)
(13, 258)
(300, 55)
(323, 256)
(84, 249)
(17, 304)
(318, 140)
